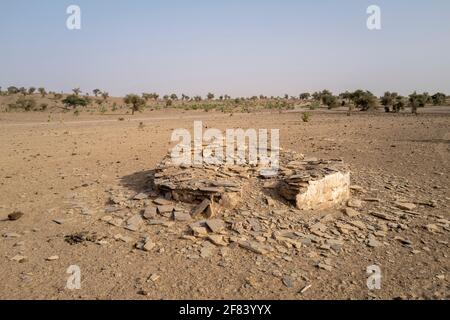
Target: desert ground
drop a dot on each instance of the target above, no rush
(61, 171)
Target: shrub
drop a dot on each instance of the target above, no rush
(304, 96)
(12, 90)
(26, 104)
(136, 102)
(438, 99)
(364, 100)
(306, 116)
(388, 100)
(330, 101)
(74, 100)
(42, 92)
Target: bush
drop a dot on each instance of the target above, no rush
(330, 101)
(438, 99)
(74, 100)
(136, 102)
(364, 100)
(26, 104)
(306, 116)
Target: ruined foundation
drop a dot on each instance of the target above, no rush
(309, 184)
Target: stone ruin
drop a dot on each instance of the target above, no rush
(307, 183)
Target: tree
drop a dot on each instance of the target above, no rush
(136, 102)
(24, 103)
(23, 91)
(304, 96)
(388, 100)
(365, 100)
(42, 91)
(173, 96)
(105, 95)
(74, 101)
(438, 99)
(31, 90)
(210, 96)
(416, 101)
(96, 92)
(76, 91)
(399, 104)
(330, 101)
(12, 90)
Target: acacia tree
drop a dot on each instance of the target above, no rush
(304, 96)
(105, 95)
(399, 104)
(438, 99)
(416, 101)
(136, 102)
(96, 92)
(12, 90)
(210, 96)
(42, 91)
(388, 100)
(74, 101)
(31, 90)
(76, 91)
(364, 100)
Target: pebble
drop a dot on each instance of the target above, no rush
(52, 258)
(16, 215)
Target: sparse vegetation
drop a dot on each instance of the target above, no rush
(136, 102)
(306, 116)
(74, 101)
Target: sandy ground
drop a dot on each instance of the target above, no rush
(49, 169)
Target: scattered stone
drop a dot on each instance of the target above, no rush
(52, 258)
(162, 201)
(134, 223)
(215, 225)
(123, 238)
(154, 277)
(59, 220)
(432, 228)
(150, 212)
(384, 216)
(254, 247)
(199, 209)
(324, 266)
(351, 212)
(16, 215)
(19, 258)
(305, 288)
(165, 209)
(145, 244)
(373, 242)
(10, 235)
(354, 203)
(181, 216)
(218, 240)
(288, 282)
(405, 205)
(140, 196)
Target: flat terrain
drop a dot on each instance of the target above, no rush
(64, 168)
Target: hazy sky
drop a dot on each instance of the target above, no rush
(236, 47)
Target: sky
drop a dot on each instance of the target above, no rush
(234, 47)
